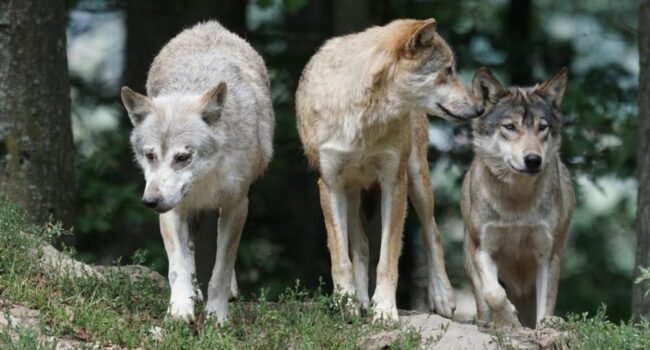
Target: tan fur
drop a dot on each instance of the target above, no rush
(516, 223)
(361, 106)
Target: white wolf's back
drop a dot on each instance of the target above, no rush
(198, 58)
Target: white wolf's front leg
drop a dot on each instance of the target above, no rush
(231, 223)
(393, 211)
(180, 253)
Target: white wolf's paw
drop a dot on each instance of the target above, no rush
(182, 309)
(234, 289)
(384, 310)
(441, 298)
(219, 312)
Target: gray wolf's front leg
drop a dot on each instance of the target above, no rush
(231, 223)
(495, 296)
(180, 253)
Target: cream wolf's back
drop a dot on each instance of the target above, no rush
(199, 58)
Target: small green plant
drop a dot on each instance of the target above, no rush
(597, 332)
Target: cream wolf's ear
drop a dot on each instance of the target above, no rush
(213, 101)
(553, 89)
(138, 106)
(422, 37)
(486, 87)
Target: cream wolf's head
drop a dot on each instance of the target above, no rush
(520, 130)
(174, 142)
(424, 72)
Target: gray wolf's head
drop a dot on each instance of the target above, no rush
(173, 141)
(520, 130)
(425, 72)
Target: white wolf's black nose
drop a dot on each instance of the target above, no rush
(532, 161)
(150, 202)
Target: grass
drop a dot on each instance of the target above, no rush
(116, 310)
(597, 332)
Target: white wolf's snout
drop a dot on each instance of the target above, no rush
(164, 195)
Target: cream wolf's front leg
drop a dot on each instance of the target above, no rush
(231, 223)
(440, 293)
(393, 211)
(334, 204)
(180, 253)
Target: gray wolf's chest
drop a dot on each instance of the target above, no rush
(514, 238)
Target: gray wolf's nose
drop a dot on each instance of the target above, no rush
(150, 202)
(532, 161)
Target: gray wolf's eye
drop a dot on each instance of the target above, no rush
(449, 70)
(543, 127)
(182, 157)
(509, 126)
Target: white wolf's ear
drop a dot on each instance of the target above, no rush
(212, 103)
(553, 89)
(486, 87)
(138, 106)
(422, 37)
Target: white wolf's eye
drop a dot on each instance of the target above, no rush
(149, 155)
(182, 157)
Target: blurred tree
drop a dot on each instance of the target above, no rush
(36, 149)
(640, 301)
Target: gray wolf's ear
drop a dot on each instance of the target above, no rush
(486, 87)
(212, 103)
(553, 89)
(138, 106)
(422, 37)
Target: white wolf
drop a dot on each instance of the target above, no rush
(202, 136)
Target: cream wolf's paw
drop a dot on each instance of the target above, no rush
(182, 309)
(346, 300)
(441, 298)
(384, 310)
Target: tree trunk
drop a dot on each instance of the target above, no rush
(517, 29)
(36, 149)
(641, 304)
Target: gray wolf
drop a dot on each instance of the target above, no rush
(361, 109)
(517, 201)
(202, 135)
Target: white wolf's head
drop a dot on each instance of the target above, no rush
(174, 142)
(520, 130)
(424, 72)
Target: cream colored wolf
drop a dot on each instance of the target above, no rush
(362, 103)
(202, 136)
(517, 201)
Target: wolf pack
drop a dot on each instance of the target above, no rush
(203, 133)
